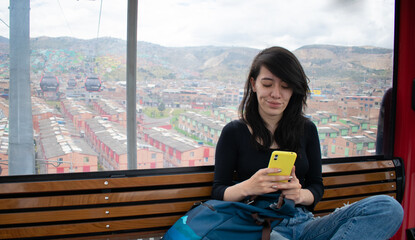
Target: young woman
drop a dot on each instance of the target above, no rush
(272, 118)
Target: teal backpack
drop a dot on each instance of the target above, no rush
(215, 220)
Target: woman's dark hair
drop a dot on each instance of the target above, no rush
(284, 65)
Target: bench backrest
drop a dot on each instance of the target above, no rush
(151, 201)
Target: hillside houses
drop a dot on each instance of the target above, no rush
(344, 137)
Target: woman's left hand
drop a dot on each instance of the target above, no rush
(293, 190)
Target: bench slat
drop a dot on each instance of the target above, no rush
(105, 183)
(359, 178)
(90, 227)
(91, 199)
(361, 189)
(357, 166)
(94, 213)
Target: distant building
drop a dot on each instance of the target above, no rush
(351, 146)
(4, 108)
(225, 114)
(60, 149)
(109, 139)
(42, 111)
(76, 112)
(4, 147)
(204, 128)
(179, 151)
(362, 106)
(111, 110)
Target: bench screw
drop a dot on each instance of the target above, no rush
(106, 183)
(106, 198)
(107, 226)
(107, 212)
(392, 174)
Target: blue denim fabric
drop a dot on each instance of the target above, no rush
(376, 217)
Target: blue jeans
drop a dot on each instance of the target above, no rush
(377, 217)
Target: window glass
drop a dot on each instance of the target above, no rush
(193, 58)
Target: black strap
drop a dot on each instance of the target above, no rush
(265, 222)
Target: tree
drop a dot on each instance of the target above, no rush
(161, 108)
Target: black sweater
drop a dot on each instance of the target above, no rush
(235, 152)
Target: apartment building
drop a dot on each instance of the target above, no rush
(351, 146)
(4, 147)
(109, 140)
(179, 151)
(60, 149)
(42, 111)
(225, 114)
(201, 127)
(361, 106)
(111, 110)
(77, 112)
(4, 108)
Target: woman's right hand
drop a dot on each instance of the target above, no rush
(259, 183)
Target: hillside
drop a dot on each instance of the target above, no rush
(66, 55)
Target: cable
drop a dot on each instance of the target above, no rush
(4, 22)
(66, 20)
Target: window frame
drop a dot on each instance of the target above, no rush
(131, 95)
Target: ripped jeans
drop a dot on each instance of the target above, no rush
(377, 217)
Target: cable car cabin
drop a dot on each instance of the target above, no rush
(71, 83)
(144, 203)
(49, 83)
(93, 84)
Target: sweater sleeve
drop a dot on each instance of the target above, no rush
(313, 179)
(225, 160)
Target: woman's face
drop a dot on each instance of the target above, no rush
(273, 94)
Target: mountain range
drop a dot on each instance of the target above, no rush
(323, 62)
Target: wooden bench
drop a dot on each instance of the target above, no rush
(139, 204)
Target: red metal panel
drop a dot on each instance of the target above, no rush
(404, 146)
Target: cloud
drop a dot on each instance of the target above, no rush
(257, 24)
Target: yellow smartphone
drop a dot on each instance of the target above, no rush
(283, 160)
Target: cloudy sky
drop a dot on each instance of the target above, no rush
(247, 23)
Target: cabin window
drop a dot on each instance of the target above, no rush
(190, 76)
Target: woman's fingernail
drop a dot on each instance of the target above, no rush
(290, 177)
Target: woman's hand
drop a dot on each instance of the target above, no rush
(259, 183)
(262, 182)
(293, 190)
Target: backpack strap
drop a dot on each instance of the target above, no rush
(265, 222)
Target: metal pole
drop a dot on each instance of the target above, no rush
(21, 149)
(131, 84)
